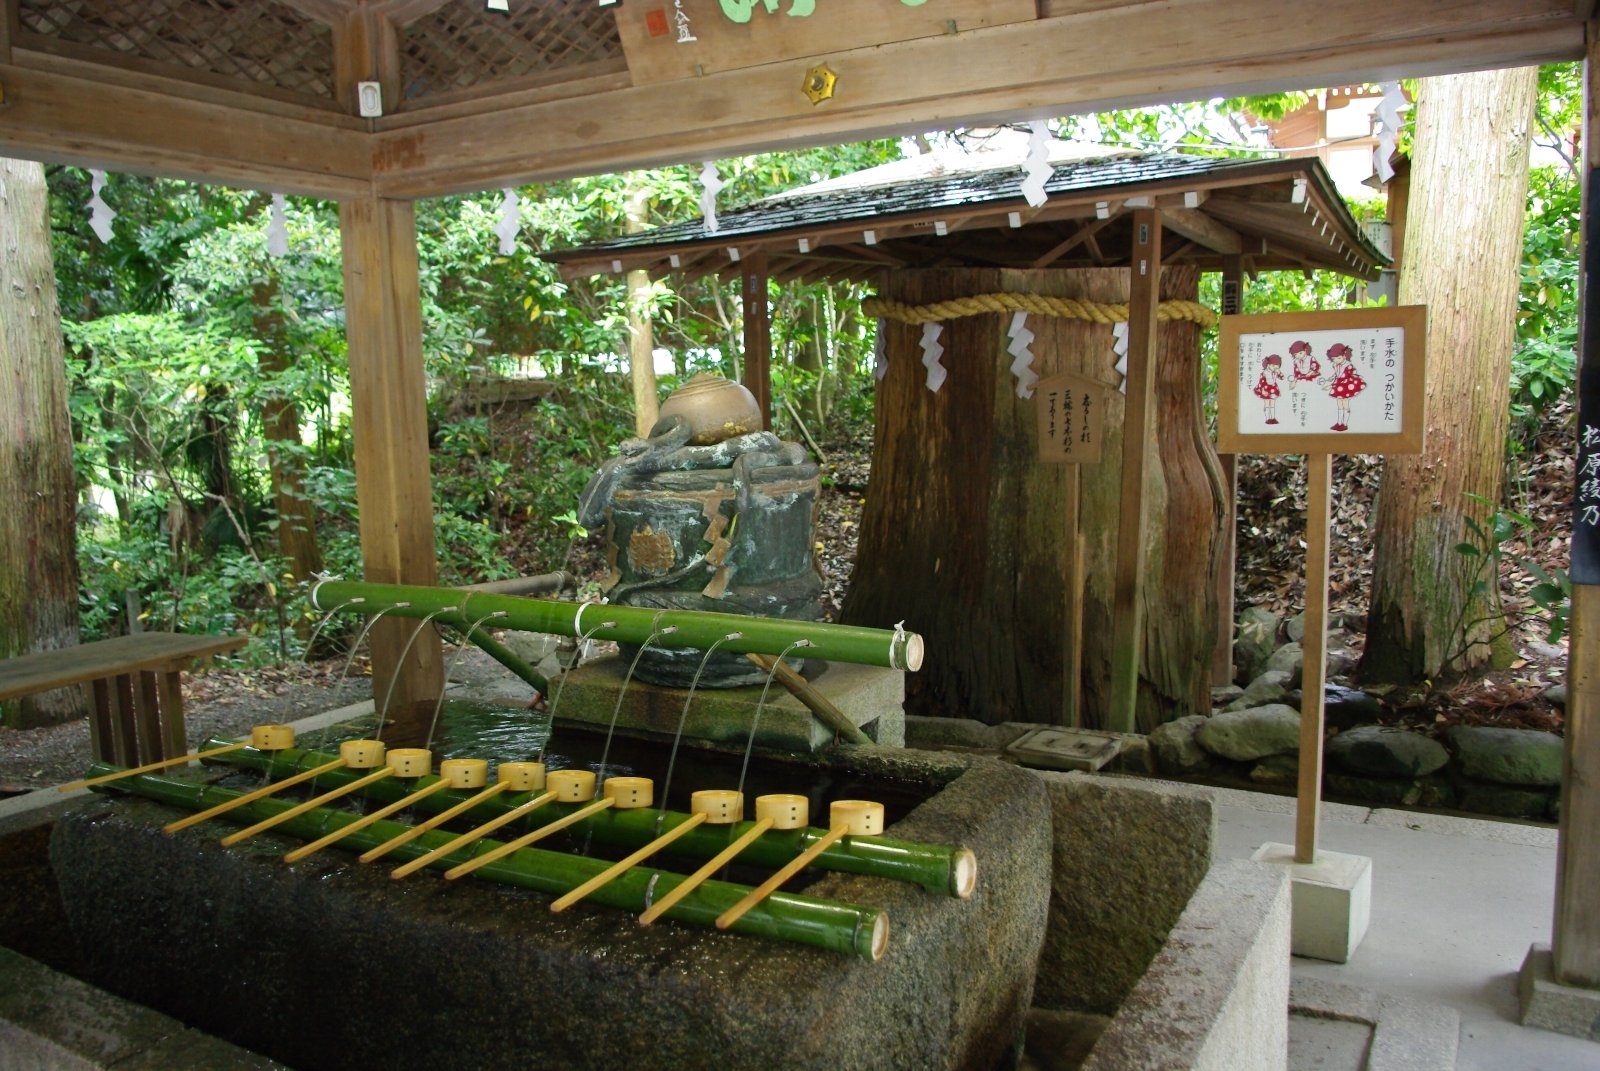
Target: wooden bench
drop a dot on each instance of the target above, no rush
(138, 700)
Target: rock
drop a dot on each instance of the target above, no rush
(1269, 687)
(1551, 652)
(930, 732)
(1344, 707)
(1507, 756)
(1379, 752)
(1289, 659)
(1384, 791)
(1504, 802)
(1244, 735)
(1556, 693)
(1276, 770)
(1255, 641)
(1175, 748)
(1223, 694)
(1341, 661)
(1295, 627)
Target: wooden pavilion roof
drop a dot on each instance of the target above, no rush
(1276, 214)
(264, 93)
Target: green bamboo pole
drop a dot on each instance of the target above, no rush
(508, 658)
(827, 924)
(893, 648)
(937, 868)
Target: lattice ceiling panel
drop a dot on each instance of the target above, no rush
(254, 41)
(465, 45)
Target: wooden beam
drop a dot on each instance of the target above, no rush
(1081, 235)
(1576, 927)
(1122, 58)
(383, 324)
(62, 119)
(757, 333)
(1127, 611)
(1195, 225)
(366, 49)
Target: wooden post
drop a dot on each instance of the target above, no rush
(1575, 931)
(383, 322)
(1319, 493)
(1222, 657)
(1127, 618)
(758, 334)
(1072, 635)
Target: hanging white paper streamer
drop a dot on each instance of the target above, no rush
(1388, 115)
(278, 227)
(931, 352)
(100, 213)
(510, 221)
(710, 185)
(1119, 346)
(1037, 166)
(880, 353)
(1022, 367)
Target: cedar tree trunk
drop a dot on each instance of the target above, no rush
(38, 553)
(1463, 248)
(967, 537)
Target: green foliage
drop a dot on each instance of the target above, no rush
(1490, 564)
(1544, 362)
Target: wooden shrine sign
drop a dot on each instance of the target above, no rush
(1348, 381)
(1071, 412)
(665, 40)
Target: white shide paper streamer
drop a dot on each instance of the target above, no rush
(1022, 366)
(1037, 167)
(880, 353)
(931, 352)
(1388, 116)
(510, 221)
(100, 213)
(711, 184)
(278, 227)
(1119, 346)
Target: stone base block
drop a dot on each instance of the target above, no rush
(869, 696)
(1332, 900)
(1551, 1005)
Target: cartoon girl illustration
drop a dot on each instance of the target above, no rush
(1306, 367)
(1267, 385)
(1345, 384)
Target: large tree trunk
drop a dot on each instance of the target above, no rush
(280, 420)
(38, 554)
(1463, 245)
(967, 536)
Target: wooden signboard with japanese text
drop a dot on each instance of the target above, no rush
(1346, 381)
(1071, 411)
(665, 40)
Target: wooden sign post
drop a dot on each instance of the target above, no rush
(1320, 383)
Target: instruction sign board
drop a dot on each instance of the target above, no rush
(1072, 418)
(665, 40)
(1347, 381)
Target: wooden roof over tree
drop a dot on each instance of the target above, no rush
(265, 93)
(1276, 214)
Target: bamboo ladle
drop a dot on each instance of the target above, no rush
(859, 818)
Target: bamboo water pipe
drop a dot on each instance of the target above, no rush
(894, 648)
(948, 871)
(848, 929)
